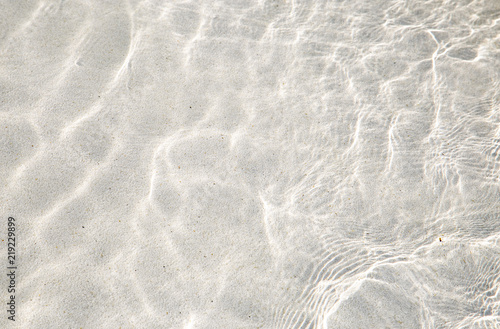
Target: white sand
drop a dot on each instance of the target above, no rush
(251, 164)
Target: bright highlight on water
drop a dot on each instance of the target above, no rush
(279, 164)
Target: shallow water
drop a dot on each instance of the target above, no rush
(252, 164)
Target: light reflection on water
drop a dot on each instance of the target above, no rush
(271, 164)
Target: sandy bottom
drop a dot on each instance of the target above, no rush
(251, 164)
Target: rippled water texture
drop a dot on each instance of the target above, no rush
(252, 164)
